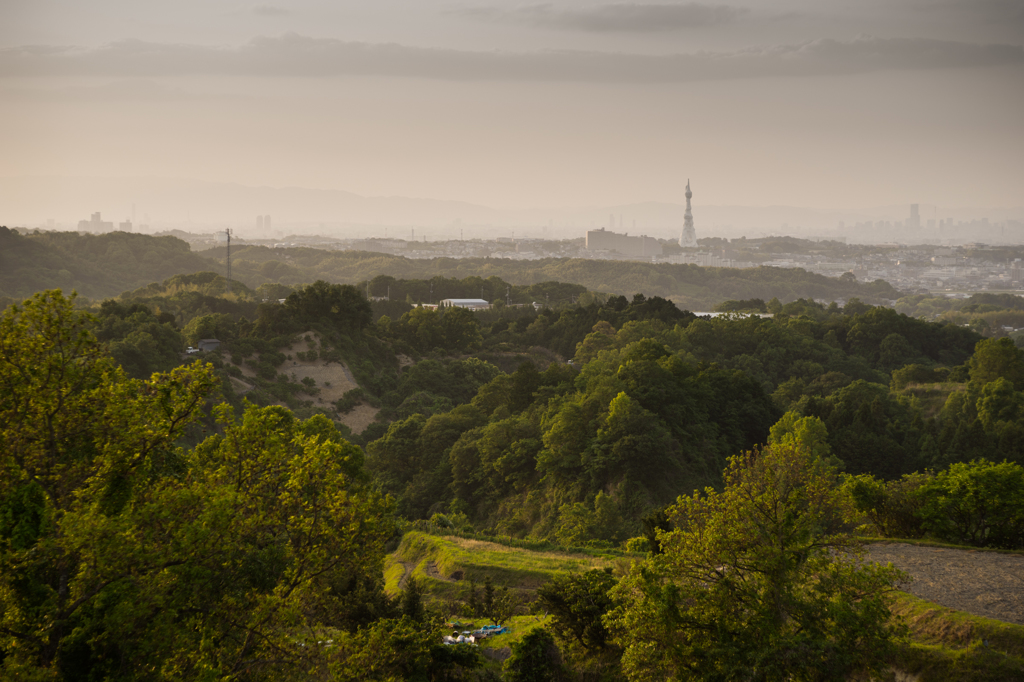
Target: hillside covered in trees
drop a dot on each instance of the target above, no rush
(689, 286)
(159, 528)
(94, 265)
(102, 266)
(574, 423)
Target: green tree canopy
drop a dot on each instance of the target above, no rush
(756, 582)
(126, 557)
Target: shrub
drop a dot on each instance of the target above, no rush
(350, 400)
(535, 658)
(638, 545)
(892, 507)
(978, 503)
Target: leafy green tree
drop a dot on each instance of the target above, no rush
(460, 329)
(412, 600)
(218, 326)
(805, 432)
(979, 503)
(535, 658)
(341, 306)
(126, 557)
(577, 603)
(757, 582)
(997, 359)
(395, 649)
(892, 507)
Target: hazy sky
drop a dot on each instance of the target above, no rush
(808, 103)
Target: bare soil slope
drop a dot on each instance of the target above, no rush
(989, 584)
(332, 378)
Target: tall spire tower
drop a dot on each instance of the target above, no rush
(688, 239)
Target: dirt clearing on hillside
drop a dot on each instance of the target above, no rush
(988, 584)
(332, 378)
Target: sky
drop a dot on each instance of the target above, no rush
(812, 103)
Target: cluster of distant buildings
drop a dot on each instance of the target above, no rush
(922, 267)
(97, 225)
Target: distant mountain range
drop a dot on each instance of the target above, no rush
(206, 206)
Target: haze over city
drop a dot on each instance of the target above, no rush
(209, 113)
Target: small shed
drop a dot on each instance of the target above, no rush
(209, 344)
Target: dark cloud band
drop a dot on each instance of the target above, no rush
(295, 55)
(613, 17)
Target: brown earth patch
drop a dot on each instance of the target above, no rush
(989, 584)
(240, 387)
(332, 378)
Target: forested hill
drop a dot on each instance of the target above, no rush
(100, 266)
(690, 286)
(94, 265)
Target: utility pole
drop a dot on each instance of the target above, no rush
(227, 232)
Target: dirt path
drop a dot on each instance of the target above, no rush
(408, 568)
(983, 583)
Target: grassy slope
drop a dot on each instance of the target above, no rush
(945, 645)
(953, 646)
(445, 565)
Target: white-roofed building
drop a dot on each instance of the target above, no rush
(470, 303)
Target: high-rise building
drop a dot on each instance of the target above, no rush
(266, 222)
(915, 217)
(604, 240)
(125, 226)
(688, 239)
(95, 224)
(259, 223)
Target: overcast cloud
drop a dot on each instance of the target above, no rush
(615, 17)
(825, 103)
(295, 55)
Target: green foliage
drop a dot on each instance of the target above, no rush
(997, 359)
(978, 503)
(753, 305)
(560, 279)
(535, 658)
(338, 306)
(757, 582)
(127, 557)
(350, 400)
(954, 646)
(397, 649)
(892, 507)
(140, 341)
(412, 601)
(577, 604)
(801, 432)
(918, 374)
(96, 266)
(871, 430)
(451, 330)
(218, 326)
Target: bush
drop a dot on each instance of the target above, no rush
(978, 503)
(264, 370)
(638, 545)
(893, 508)
(535, 658)
(350, 400)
